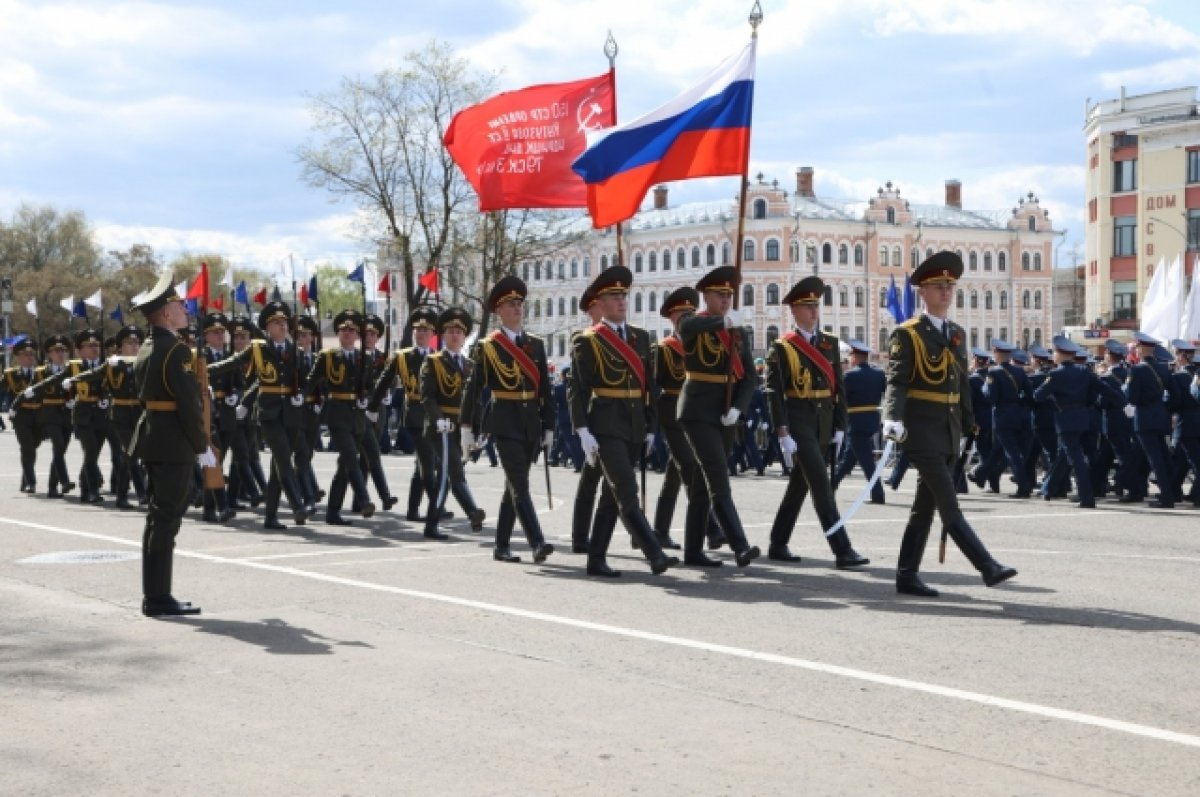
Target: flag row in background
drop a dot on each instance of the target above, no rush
(1166, 313)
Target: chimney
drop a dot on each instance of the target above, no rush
(954, 194)
(804, 182)
(660, 197)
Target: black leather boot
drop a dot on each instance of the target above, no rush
(695, 525)
(462, 493)
(532, 527)
(637, 525)
(846, 556)
(972, 547)
(908, 563)
(731, 524)
(156, 588)
(504, 529)
(663, 510)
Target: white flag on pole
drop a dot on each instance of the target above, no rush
(1189, 326)
(31, 307)
(1160, 316)
(94, 301)
(68, 303)
(182, 289)
(289, 270)
(227, 280)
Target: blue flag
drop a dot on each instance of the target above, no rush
(910, 299)
(117, 315)
(240, 295)
(357, 275)
(14, 340)
(312, 290)
(80, 310)
(893, 303)
(193, 306)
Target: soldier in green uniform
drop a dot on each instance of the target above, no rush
(368, 442)
(610, 366)
(520, 417)
(443, 375)
(309, 438)
(807, 398)
(23, 412)
(717, 391)
(927, 407)
(169, 438)
(338, 373)
(88, 416)
(54, 414)
(226, 389)
(246, 478)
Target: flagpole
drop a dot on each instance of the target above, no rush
(292, 271)
(610, 50)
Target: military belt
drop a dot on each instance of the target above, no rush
(936, 398)
(219, 394)
(275, 390)
(616, 393)
(863, 408)
(53, 402)
(162, 406)
(700, 376)
(118, 402)
(25, 405)
(412, 396)
(807, 394)
(343, 396)
(450, 410)
(670, 391)
(514, 395)
(87, 399)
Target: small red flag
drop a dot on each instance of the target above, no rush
(304, 294)
(261, 296)
(385, 285)
(218, 303)
(429, 280)
(199, 288)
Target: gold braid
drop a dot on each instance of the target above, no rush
(448, 384)
(508, 376)
(931, 370)
(675, 368)
(608, 362)
(709, 343)
(801, 378)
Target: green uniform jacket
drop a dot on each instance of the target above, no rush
(165, 372)
(333, 375)
(927, 386)
(442, 386)
(608, 398)
(47, 388)
(669, 375)
(702, 399)
(794, 386)
(495, 368)
(404, 365)
(276, 378)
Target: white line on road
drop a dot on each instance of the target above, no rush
(347, 550)
(1020, 706)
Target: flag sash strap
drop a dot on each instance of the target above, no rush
(804, 347)
(625, 350)
(674, 344)
(523, 359)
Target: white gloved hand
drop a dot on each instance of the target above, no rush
(28, 393)
(548, 439)
(372, 416)
(361, 403)
(297, 400)
(66, 383)
(734, 319)
(587, 442)
(443, 425)
(764, 426)
(787, 447)
(317, 408)
(12, 415)
(231, 400)
(387, 399)
(1129, 410)
(102, 404)
(241, 412)
(838, 437)
(208, 459)
(71, 404)
(114, 360)
(649, 444)
(468, 441)
(894, 429)
(731, 416)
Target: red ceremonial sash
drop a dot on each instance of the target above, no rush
(735, 359)
(521, 357)
(812, 354)
(674, 344)
(625, 350)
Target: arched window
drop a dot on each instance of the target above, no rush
(772, 334)
(666, 260)
(1037, 300)
(772, 249)
(637, 303)
(695, 257)
(1025, 300)
(710, 255)
(827, 252)
(860, 296)
(747, 296)
(897, 258)
(891, 215)
(637, 263)
(747, 251)
(680, 258)
(987, 300)
(574, 305)
(987, 261)
(549, 308)
(828, 298)
(973, 260)
(760, 208)
(652, 261)
(794, 251)
(574, 268)
(974, 300)
(562, 306)
(958, 299)
(883, 255)
(1025, 261)
(858, 254)
(1003, 300)
(843, 255)
(843, 297)
(587, 267)
(653, 301)
(1002, 262)
(603, 262)
(1037, 261)
(726, 253)
(772, 294)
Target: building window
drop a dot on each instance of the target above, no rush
(695, 257)
(562, 306)
(883, 255)
(974, 300)
(891, 215)
(637, 303)
(537, 309)
(653, 301)
(1003, 333)
(827, 253)
(1037, 300)
(828, 299)
(1024, 261)
(747, 251)
(794, 250)
(524, 272)
(537, 271)
(987, 261)
(710, 255)
(574, 268)
(772, 334)
(973, 261)
(747, 296)
(1193, 228)
(772, 294)
(883, 340)
(1037, 336)
(680, 258)
(858, 333)
(562, 269)
(1003, 300)
(988, 336)
(958, 299)
(1037, 261)
(897, 258)
(929, 252)
(1125, 300)
(883, 297)
(666, 260)
(843, 297)
(858, 254)
(1125, 176)
(1033, 224)
(772, 249)
(574, 305)
(726, 253)
(760, 208)
(860, 296)
(844, 333)
(603, 262)
(549, 308)
(974, 337)
(987, 300)
(916, 257)
(843, 255)
(1124, 236)
(1002, 262)
(1025, 300)
(637, 263)
(652, 265)
(1193, 165)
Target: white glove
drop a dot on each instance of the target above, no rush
(297, 400)
(443, 425)
(587, 441)
(731, 416)
(102, 404)
(71, 404)
(231, 400)
(734, 319)
(764, 426)
(317, 408)
(208, 459)
(468, 441)
(838, 437)
(894, 429)
(387, 399)
(372, 416)
(649, 444)
(66, 383)
(12, 415)
(787, 447)
(548, 439)
(361, 403)
(28, 393)
(1129, 410)
(241, 412)
(114, 360)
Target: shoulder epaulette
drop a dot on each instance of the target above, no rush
(912, 322)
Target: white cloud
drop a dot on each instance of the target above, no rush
(1168, 73)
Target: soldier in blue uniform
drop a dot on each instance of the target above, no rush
(1041, 415)
(1150, 391)
(1116, 444)
(1007, 387)
(1186, 436)
(981, 407)
(864, 393)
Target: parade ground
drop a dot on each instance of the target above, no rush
(368, 660)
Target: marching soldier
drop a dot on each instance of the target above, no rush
(808, 408)
(610, 364)
(928, 407)
(1150, 391)
(246, 478)
(864, 392)
(1186, 436)
(23, 412)
(1007, 387)
(309, 437)
(54, 420)
(717, 391)
(368, 442)
(1041, 416)
(226, 387)
(89, 413)
(169, 438)
(339, 373)
(443, 376)
(1116, 427)
(521, 418)
(981, 407)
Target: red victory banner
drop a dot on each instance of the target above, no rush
(516, 148)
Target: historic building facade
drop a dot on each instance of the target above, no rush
(857, 248)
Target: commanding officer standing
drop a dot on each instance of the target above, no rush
(23, 413)
(1150, 391)
(611, 366)
(170, 437)
(864, 393)
(928, 407)
(808, 408)
(521, 416)
(338, 372)
(443, 375)
(718, 389)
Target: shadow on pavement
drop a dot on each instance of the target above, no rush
(272, 635)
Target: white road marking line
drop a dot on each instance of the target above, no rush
(977, 519)
(1019, 706)
(403, 559)
(343, 550)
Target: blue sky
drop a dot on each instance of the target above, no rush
(176, 124)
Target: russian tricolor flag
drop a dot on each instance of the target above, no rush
(704, 132)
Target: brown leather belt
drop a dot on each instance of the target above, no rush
(450, 410)
(514, 395)
(119, 402)
(275, 390)
(53, 402)
(219, 394)
(864, 408)
(700, 376)
(162, 406)
(616, 393)
(807, 394)
(936, 398)
(670, 391)
(87, 399)
(343, 396)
